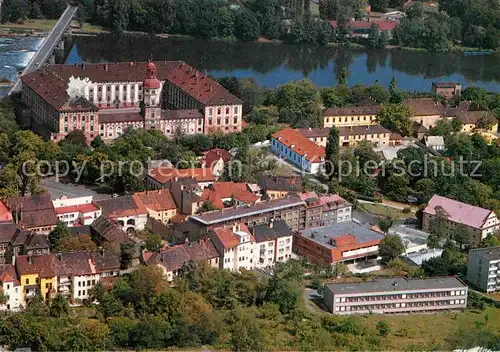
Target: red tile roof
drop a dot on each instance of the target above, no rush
(383, 25)
(212, 197)
(165, 174)
(353, 111)
(160, 200)
(226, 236)
(37, 211)
(459, 212)
(81, 208)
(213, 155)
(5, 214)
(51, 81)
(183, 114)
(8, 273)
(119, 116)
(122, 206)
(228, 189)
(41, 265)
(300, 145)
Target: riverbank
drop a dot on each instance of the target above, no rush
(39, 28)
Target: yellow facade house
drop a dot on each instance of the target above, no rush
(36, 276)
(160, 204)
(351, 116)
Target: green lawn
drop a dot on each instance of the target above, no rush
(382, 210)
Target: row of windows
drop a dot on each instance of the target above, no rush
(82, 283)
(210, 120)
(399, 305)
(219, 111)
(401, 296)
(350, 118)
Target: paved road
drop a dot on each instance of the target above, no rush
(58, 189)
(49, 44)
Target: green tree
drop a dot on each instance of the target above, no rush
(332, 152)
(461, 235)
(396, 187)
(426, 187)
(491, 240)
(247, 27)
(126, 255)
(342, 77)
(97, 142)
(385, 224)
(57, 234)
(383, 328)
(437, 227)
(416, 10)
(374, 36)
(396, 117)
(390, 248)
(205, 207)
(154, 243)
(76, 138)
(59, 306)
(245, 333)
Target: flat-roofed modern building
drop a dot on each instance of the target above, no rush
(396, 295)
(483, 268)
(344, 242)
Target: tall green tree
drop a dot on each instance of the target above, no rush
(396, 117)
(332, 152)
(390, 248)
(55, 236)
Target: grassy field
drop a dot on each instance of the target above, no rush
(442, 330)
(382, 210)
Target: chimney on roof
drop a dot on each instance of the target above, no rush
(59, 256)
(101, 251)
(105, 67)
(271, 223)
(30, 261)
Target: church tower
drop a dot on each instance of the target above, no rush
(151, 87)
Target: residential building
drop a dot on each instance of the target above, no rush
(235, 245)
(172, 259)
(10, 288)
(434, 142)
(15, 241)
(216, 159)
(78, 272)
(472, 120)
(292, 146)
(350, 136)
(5, 214)
(457, 215)
(346, 242)
(287, 209)
(185, 192)
(424, 111)
(350, 116)
(76, 211)
(159, 204)
(226, 194)
(335, 209)
(446, 89)
(7, 234)
(161, 177)
(105, 99)
(37, 276)
(483, 268)
(273, 243)
(128, 212)
(107, 234)
(362, 29)
(311, 213)
(396, 295)
(34, 213)
(274, 187)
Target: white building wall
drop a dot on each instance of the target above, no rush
(15, 298)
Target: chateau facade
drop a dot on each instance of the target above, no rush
(106, 99)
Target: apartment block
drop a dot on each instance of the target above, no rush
(236, 246)
(351, 116)
(79, 211)
(396, 295)
(350, 136)
(273, 243)
(483, 268)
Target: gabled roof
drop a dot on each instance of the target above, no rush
(5, 214)
(122, 115)
(445, 84)
(226, 235)
(159, 200)
(79, 208)
(85, 263)
(42, 265)
(108, 231)
(7, 232)
(36, 211)
(36, 241)
(333, 201)
(165, 174)
(173, 258)
(8, 273)
(78, 104)
(383, 25)
(185, 114)
(213, 198)
(459, 212)
(121, 207)
(281, 183)
(269, 232)
(423, 106)
(434, 141)
(300, 145)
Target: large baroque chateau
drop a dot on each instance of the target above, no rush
(106, 99)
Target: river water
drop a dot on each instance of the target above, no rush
(272, 65)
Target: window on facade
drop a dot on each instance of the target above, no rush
(235, 119)
(235, 110)
(227, 110)
(218, 120)
(210, 111)
(227, 120)
(27, 281)
(219, 111)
